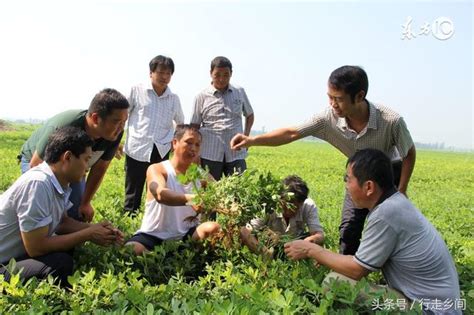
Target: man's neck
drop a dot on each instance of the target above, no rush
(90, 128)
(56, 169)
(179, 166)
(160, 91)
(359, 117)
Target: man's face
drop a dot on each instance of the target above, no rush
(290, 208)
(111, 126)
(78, 166)
(340, 102)
(221, 77)
(161, 77)
(187, 148)
(358, 193)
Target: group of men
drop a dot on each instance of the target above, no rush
(42, 214)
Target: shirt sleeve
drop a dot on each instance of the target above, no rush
(246, 108)
(33, 208)
(179, 116)
(311, 217)
(402, 137)
(132, 100)
(196, 117)
(316, 126)
(378, 243)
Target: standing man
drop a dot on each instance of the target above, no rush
(103, 122)
(34, 227)
(153, 109)
(350, 124)
(218, 111)
(398, 240)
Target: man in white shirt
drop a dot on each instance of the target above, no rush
(153, 109)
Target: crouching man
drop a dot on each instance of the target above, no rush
(398, 240)
(167, 209)
(299, 213)
(34, 227)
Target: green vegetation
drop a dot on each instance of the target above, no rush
(198, 278)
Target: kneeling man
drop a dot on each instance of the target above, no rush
(34, 227)
(167, 208)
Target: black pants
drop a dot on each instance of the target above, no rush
(135, 176)
(353, 219)
(217, 169)
(58, 265)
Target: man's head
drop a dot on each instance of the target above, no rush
(347, 86)
(161, 70)
(369, 174)
(72, 148)
(221, 72)
(108, 112)
(186, 143)
(295, 185)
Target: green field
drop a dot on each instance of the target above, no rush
(179, 278)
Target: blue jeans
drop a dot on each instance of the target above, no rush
(76, 193)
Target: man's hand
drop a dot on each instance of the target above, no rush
(119, 152)
(299, 249)
(239, 141)
(86, 211)
(104, 234)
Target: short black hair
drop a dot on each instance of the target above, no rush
(221, 62)
(372, 164)
(182, 128)
(163, 62)
(350, 79)
(106, 101)
(65, 139)
(294, 184)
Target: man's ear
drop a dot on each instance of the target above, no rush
(360, 96)
(95, 118)
(66, 156)
(369, 187)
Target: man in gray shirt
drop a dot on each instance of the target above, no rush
(34, 227)
(398, 240)
(218, 112)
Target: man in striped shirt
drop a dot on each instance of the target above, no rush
(153, 109)
(350, 124)
(218, 112)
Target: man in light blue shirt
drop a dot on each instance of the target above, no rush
(34, 227)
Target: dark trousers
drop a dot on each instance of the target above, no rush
(135, 176)
(217, 169)
(353, 219)
(59, 265)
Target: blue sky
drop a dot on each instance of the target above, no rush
(57, 54)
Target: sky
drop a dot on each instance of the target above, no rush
(56, 55)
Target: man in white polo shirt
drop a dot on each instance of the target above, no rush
(34, 227)
(398, 240)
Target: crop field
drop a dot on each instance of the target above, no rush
(189, 278)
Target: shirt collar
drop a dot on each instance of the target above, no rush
(167, 92)
(212, 90)
(46, 169)
(371, 124)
